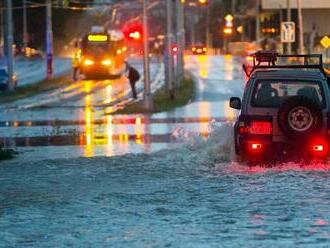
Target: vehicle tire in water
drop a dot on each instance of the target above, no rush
(299, 117)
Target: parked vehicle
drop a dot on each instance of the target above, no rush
(4, 79)
(199, 49)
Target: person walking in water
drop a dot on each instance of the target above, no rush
(133, 76)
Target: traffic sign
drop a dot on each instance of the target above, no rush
(325, 42)
(288, 32)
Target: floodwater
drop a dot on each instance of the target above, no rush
(88, 179)
(193, 195)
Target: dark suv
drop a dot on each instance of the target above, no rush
(285, 110)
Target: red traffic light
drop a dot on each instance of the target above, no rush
(174, 49)
(133, 32)
(135, 35)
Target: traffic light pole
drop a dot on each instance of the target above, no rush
(301, 28)
(49, 40)
(9, 44)
(1, 28)
(258, 21)
(180, 40)
(148, 101)
(208, 35)
(25, 33)
(168, 49)
(289, 20)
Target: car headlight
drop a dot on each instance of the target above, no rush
(106, 62)
(88, 62)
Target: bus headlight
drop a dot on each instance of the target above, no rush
(106, 62)
(88, 62)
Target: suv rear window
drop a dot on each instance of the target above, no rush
(272, 93)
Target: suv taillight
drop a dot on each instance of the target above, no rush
(256, 127)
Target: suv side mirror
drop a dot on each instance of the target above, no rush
(235, 103)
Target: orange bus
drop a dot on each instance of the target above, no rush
(103, 54)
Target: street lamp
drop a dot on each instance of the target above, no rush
(203, 2)
(228, 30)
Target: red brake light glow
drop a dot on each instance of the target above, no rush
(318, 148)
(255, 146)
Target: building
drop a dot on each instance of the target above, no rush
(316, 18)
(316, 13)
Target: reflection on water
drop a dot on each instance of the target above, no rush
(205, 112)
(104, 133)
(109, 149)
(138, 130)
(182, 197)
(88, 86)
(229, 67)
(88, 127)
(230, 113)
(108, 98)
(204, 66)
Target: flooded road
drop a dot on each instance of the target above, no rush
(76, 120)
(191, 196)
(89, 179)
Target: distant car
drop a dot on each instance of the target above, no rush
(4, 79)
(33, 53)
(285, 110)
(199, 50)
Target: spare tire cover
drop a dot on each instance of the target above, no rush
(299, 117)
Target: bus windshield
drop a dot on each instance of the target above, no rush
(96, 48)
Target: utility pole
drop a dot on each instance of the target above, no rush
(208, 36)
(180, 40)
(25, 33)
(9, 43)
(168, 49)
(233, 7)
(288, 19)
(49, 40)
(258, 21)
(148, 101)
(301, 27)
(1, 29)
(192, 26)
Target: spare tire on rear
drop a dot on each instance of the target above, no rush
(299, 117)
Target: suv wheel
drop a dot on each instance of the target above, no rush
(299, 117)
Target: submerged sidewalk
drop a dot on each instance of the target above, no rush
(31, 71)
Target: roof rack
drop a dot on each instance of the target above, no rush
(269, 59)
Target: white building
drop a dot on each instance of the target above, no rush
(316, 13)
